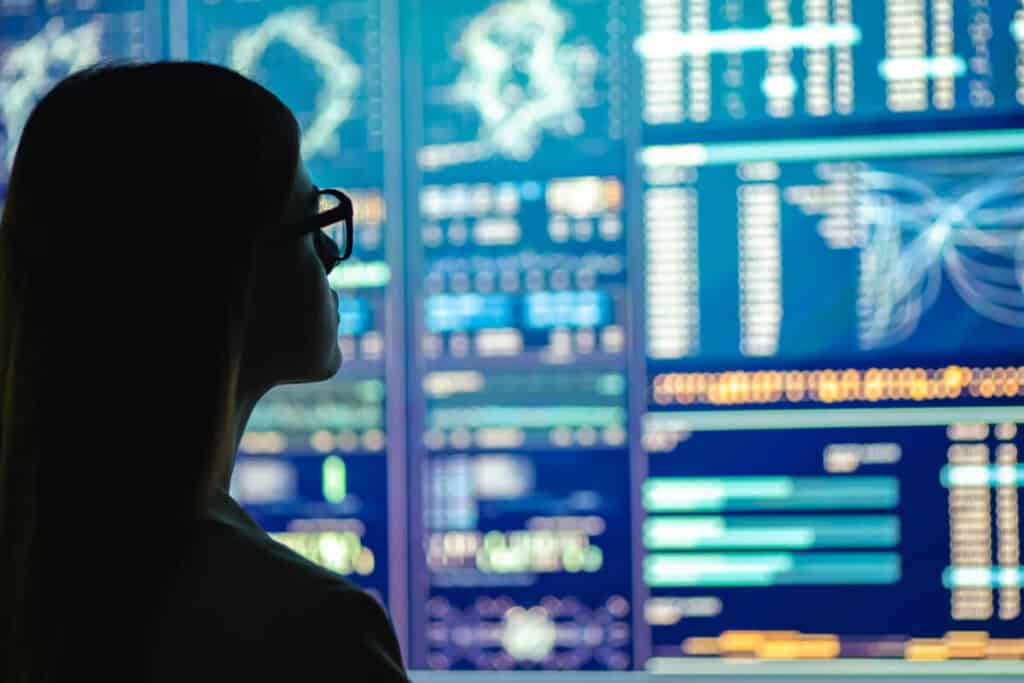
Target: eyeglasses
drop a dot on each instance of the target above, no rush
(333, 227)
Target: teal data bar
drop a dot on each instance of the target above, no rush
(695, 494)
(791, 532)
(857, 147)
(526, 417)
(682, 570)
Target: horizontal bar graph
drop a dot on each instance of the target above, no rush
(793, 532)
(694, 494)
(680, 570)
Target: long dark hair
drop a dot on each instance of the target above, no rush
(136, 198)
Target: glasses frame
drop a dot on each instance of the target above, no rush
(342, 213)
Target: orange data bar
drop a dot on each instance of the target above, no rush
(766, 645)
(793, 645)
(833, 386)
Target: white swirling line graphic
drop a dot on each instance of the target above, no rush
(969, 232)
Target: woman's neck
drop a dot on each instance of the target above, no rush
(245, 402)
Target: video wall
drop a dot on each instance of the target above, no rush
(676, 330)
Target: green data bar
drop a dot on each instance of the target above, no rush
(526, 417)
(820, 149)
(698, 570)
(693, 494)
(795, 532)
(828, 418)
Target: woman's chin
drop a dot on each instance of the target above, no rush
(334, 362)
(328, 367)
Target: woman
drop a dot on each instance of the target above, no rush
(162, 266)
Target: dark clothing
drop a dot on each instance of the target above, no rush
(243, 607)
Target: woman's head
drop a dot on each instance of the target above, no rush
(291, 335)
(147, 284)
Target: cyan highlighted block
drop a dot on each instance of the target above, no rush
(982, 475)
(983, 577)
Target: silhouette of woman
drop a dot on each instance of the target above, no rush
(163, 264)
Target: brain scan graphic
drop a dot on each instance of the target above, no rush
(340, 76)
(960, 224)
(521, 76)
(30, 68)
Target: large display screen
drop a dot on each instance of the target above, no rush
(677, 331)
(517, 234)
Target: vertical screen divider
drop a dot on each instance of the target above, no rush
(636, 367)
(396, 355)
(409, 108)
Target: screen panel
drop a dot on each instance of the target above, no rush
(870, 533)
(877, 248)
(728, 65)
(778, 273)
(518, 303)
(833, 394)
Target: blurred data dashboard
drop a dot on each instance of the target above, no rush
(678, 335)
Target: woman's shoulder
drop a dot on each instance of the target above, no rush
(249, 558)
(239, 596)
(299, 593)
(227, 532)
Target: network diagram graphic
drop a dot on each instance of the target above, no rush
(339, 74)
(30, 68)
(556, 633)
(964, 225)
(522, 77)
